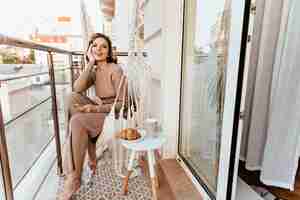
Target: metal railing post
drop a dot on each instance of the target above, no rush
(72, 71)
(82, 69)
(4, 160)
(82, 63)
(55, 113)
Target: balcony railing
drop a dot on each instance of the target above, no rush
(29, 116)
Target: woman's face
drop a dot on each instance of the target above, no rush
(100, 49)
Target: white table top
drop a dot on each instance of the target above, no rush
(148, 143)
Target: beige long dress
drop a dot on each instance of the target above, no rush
(85, 127)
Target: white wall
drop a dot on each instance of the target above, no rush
(153, 46)
(163, 33)
(153, 17)
(120, 27)
(95, 15)
(171, 71)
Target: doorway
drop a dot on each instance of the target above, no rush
(213, 58)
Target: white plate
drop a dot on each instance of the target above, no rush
(143, 134)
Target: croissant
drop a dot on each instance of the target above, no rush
(128, 134)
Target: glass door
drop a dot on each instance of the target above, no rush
(212, 42)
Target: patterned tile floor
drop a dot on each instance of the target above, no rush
(106, 185)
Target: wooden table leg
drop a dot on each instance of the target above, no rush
(154, 191)
(126, 179)
(125, 182)
(156, 170)
(151, 161)
(156, 180)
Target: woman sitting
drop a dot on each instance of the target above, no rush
(87, 115)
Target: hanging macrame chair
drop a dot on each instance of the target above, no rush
(133, 112)
(134, 88)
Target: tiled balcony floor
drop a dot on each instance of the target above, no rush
(106, 185)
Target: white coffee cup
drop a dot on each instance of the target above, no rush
(151, 126)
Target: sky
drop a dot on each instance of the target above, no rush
(18, 18)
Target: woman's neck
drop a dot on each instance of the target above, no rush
(101, 63)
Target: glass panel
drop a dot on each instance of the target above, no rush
(21, 94)
(63, 89)
(27, 137)
(49, 188)
(77, 66)
(60, 60)
(203, 86)
(21, 99)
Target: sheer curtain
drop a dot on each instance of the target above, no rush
(281, 153)
(270, 135)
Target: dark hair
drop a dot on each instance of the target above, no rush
(110, 58)
(115, 58)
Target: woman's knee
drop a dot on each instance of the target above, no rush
(72, 99)
(75, 123)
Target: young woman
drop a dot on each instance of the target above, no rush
(87, 115)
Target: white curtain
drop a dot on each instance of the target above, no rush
(271, 138)
(284, 121)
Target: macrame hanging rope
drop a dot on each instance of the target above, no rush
(135, 105)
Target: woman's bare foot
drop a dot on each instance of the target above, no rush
(93, 165)
(71, 185)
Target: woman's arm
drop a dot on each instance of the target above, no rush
(85, 80)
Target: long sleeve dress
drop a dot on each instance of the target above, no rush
(106, 80)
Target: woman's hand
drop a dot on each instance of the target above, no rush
(88, 108)
(97, 100)
(90, 55)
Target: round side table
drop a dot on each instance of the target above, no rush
(148, 144)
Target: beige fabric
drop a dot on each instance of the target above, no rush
(83, 126)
